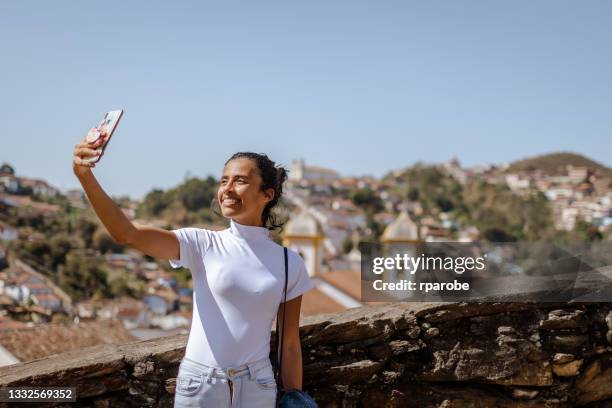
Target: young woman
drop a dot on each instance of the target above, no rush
(238, 278)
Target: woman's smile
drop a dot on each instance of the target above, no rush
(231, 202)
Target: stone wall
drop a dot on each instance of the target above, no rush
(439, 355)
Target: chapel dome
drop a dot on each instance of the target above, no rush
(303, 224)
(402, 229)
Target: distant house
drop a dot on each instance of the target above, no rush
(345, 183)
(9, 183)
(8, 233)
(435, 233)
(26, 286)
(48, 301)
(157, 304)
(76, 198)
(132, 312)
(134, 317)
(31, 284)
(185, 299)
(121, 260)
(300, 171)
(23, 283)
(38, 186)
(161, 301)
(11, 288)
(577, 174)
(171, 321)
(159, 277)
(517, 182)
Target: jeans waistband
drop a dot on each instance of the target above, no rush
(226, 373)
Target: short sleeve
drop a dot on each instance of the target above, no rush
(193, 243)
(300, 282)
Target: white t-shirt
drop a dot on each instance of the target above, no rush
(238, 278)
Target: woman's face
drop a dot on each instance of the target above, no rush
(239, 195)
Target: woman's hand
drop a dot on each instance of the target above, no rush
(86, 149)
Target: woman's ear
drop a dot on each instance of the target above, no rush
(269, 194)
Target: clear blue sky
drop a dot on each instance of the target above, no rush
(359, 86)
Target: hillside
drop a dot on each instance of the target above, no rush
(554, 164)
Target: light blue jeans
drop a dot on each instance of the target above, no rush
(252, 385)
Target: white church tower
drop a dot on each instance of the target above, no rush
(304, 234)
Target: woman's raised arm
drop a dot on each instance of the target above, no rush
(155, 242)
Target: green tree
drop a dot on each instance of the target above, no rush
(153, 204)
(585, 232)
(435, 190)
(7, 169)
(367, 199)
(196, 194)
(503, 215)
(83, 276)
(187, 203)
(84, 228)
(103, 242)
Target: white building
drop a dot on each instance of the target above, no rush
(299, 171)
(8, 233)
(517, 182)
(39, 186)
(9, 183)
(304, 235)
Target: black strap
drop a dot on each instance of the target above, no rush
(279, 342)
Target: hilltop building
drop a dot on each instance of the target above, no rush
(299, 171)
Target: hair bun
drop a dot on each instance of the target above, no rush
(281, 173)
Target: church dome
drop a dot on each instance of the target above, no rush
(402, 229)
(303, 225)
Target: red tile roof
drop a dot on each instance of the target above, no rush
(30, 343)
(316, 302)
(347, 281)
(8, 323)
(119, 306)
(6, 300)
(45, 297)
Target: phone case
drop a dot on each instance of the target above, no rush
(108, 124)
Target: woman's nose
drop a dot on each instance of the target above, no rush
(228, 187)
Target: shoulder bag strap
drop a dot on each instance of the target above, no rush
(280, 336)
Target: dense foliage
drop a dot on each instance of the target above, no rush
(188, 203)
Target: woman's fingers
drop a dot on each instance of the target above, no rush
(87, 149)
(85, 144)
(80, 162)
(94, 138)
(86, 152)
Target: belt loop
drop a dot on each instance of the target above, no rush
(251, 367)
(209, 375)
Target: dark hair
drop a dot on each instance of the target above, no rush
(272, 176)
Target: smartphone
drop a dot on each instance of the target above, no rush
(108, 125)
